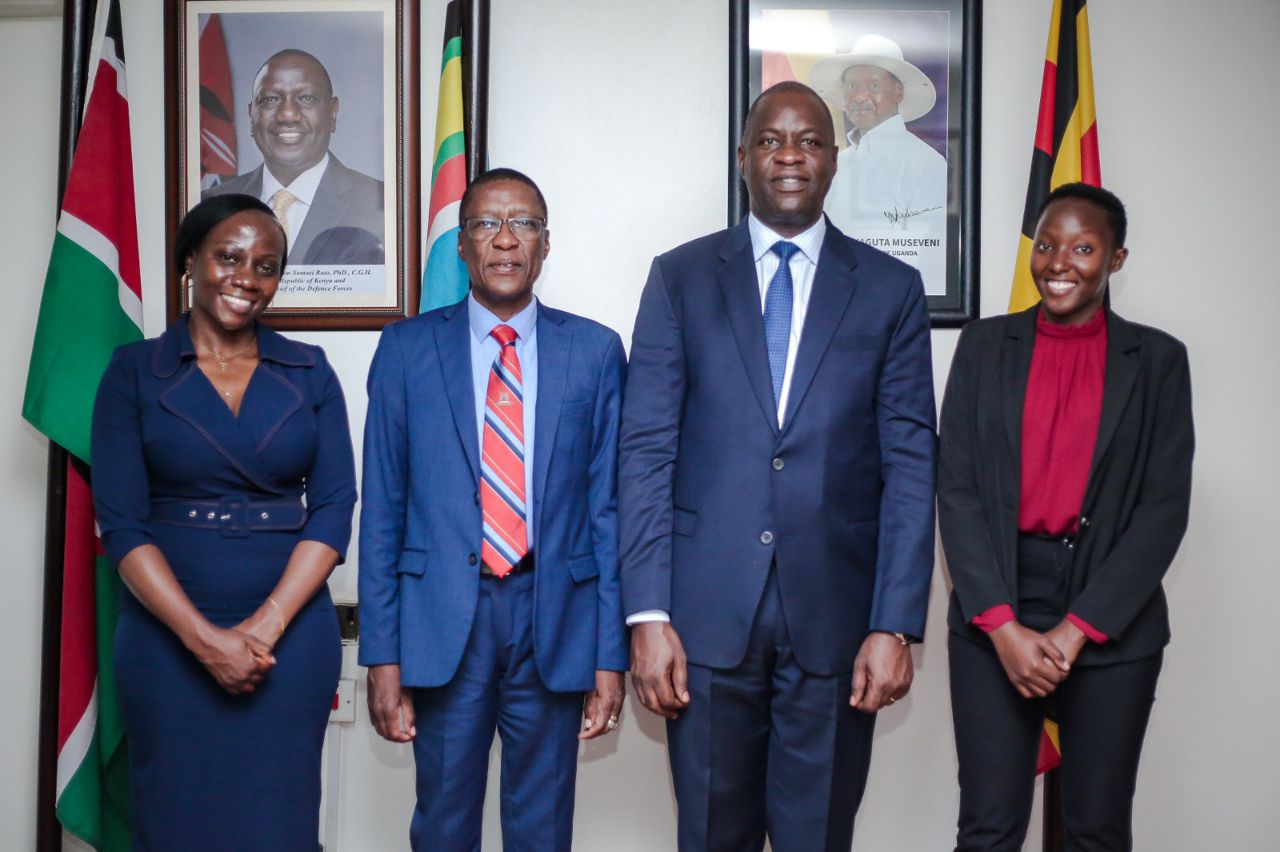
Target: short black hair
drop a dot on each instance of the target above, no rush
(1111, 205)
(296, 54)
(494, 176)
(782, 88)
(210, 213)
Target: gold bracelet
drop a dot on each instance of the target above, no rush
(279, 614)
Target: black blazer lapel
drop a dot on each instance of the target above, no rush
(1015, 367)
(1121, 376)
(453, 342)
(555, 346)
(741, 292)
(833, 286)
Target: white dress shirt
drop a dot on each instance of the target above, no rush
(484, 351)
(804, 263)
(891, 180)
(303, 188)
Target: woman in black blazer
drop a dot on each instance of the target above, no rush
(1063, 488)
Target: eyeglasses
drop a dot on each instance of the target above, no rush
(485, 228)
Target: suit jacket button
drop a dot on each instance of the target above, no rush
(779, 464)
(471, 560)
(766, 537)
(1084, 521)
(477, 498)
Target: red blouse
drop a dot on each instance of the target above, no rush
(1060, 415)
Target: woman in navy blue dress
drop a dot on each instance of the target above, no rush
(224, 485)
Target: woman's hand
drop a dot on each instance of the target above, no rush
(603, 705)
(1069, 638)
(263, 625)
(1035, 666)
(237, 660)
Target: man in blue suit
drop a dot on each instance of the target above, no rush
(489, 593)
(776, 499)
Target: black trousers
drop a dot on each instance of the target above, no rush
(768, 748)
(1102, 713)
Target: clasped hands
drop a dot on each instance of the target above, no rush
(239, 657)
(1037, 662)
(882, 671)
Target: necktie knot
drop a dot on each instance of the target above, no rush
(504, 334)
(281, 201)
(784, 250)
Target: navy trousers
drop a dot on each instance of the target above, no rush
(497, 687)
(768, 749)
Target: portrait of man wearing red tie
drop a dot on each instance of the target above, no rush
(489, 594)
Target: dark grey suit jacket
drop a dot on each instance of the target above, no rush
(1136, 502)
(344, 224)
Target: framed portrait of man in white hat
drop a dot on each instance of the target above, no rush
(900, 78)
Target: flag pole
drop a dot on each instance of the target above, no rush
(77, 33)
(475, 84)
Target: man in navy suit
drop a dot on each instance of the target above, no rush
(776, 499)
(489, 595)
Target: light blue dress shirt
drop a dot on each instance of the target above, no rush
(484, 350)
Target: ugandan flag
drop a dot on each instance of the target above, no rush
(92, 303)
(444, 280)
(1066, 147)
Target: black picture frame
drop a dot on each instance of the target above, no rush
(956, 81)
(394, 69)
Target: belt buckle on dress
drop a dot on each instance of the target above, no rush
(232, 512)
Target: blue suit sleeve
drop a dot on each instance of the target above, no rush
(908, 466)
(612, 650)
(121, 489)
(331, 482)
(385, 484)
(651, 412)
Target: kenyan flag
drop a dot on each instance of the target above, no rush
(92, 303)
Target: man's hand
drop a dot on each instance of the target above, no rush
(1034, 664)
(882, 672)
(389, 704)
(659, 668)
(603, 706)
(1068, 638)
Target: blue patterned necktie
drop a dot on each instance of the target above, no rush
(777, 315)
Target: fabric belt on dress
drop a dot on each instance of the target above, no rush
(235, 516)
(524, 566)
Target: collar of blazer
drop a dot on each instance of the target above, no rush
(175, 345)
(1123, 343)
(833, 286)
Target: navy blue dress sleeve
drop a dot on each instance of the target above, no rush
(121, 493)
(331, 483)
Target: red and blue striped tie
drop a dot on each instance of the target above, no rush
(502, 492)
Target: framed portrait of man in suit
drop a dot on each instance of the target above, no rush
(900, 79)
(302, 104)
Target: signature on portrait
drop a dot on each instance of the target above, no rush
(895, 215)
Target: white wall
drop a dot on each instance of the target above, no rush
(618, 110)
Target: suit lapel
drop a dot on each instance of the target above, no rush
(1120, 377)
(325, 214)
(741, 292)
(555, 347)
(1015, 367)
(833, 286)
(453, 342)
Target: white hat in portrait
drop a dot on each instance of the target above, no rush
(918, 94)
